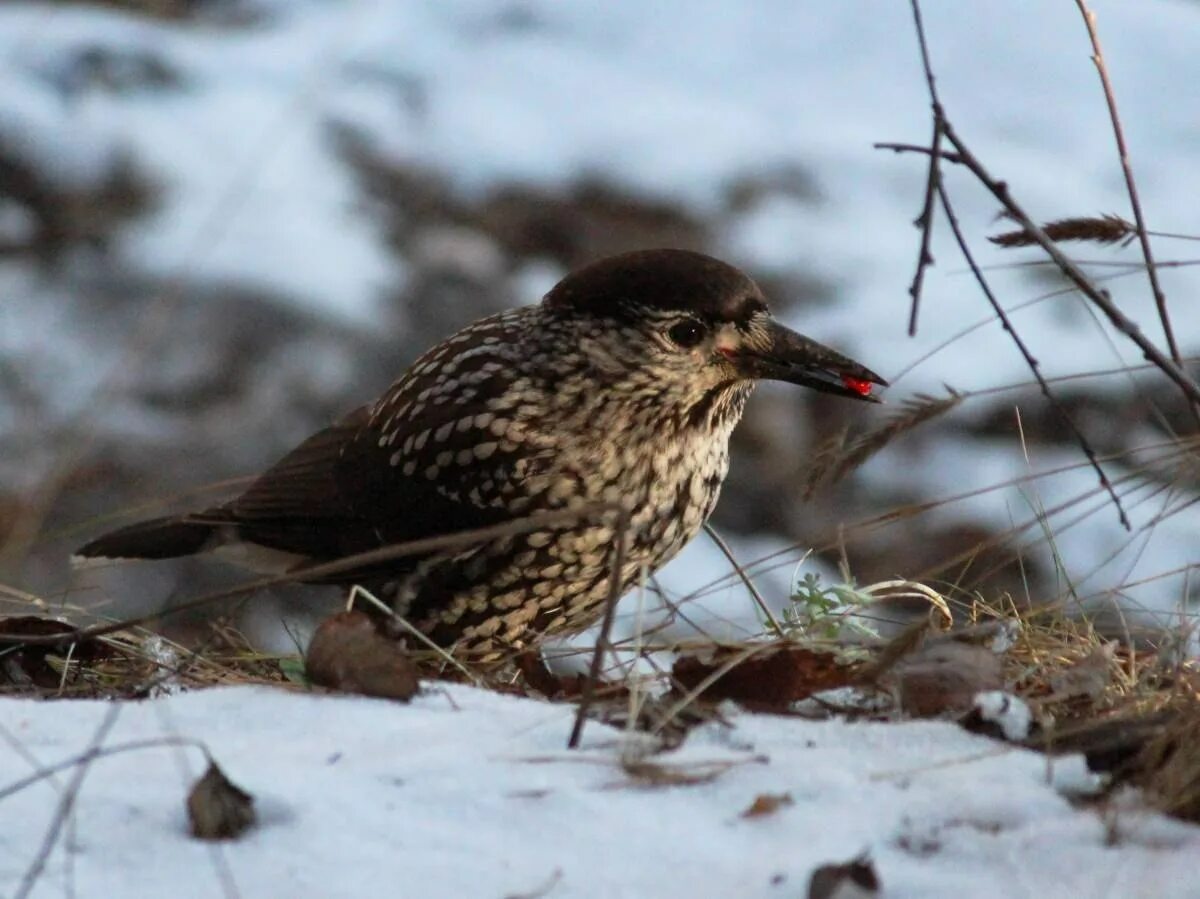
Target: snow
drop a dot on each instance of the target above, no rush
(470, 793)
(1011, 713)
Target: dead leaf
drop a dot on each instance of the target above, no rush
(855, 879)
(217, 808)
(767, 804)
(348, 653)
(541, 679)
(772, 679)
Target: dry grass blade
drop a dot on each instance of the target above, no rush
(837, 458)
(1103, 229)
(648, 774)
(343, 564)
(823, 459)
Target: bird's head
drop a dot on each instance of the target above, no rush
(687, 325)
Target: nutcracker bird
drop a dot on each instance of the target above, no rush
(621, 388)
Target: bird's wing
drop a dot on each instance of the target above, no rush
(400, 470)
(303, 483)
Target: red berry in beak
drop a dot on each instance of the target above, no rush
(859, 386)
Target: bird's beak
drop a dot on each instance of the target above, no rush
(783, 355)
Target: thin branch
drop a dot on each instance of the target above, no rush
(1160, 300)
(924, 221)
(90, 755)
(981, 279)
(66, 803)
(947, 155)
(999, 189)
(610, 606)
(1100, 298)
(933, 178)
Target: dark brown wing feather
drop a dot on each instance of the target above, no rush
(383, 474)
(330, 498)
(303, 484)
(343, 492)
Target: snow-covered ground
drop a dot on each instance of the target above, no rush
(467, 793)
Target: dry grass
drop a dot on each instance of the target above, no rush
(840, 455)
(129, 663)
(1067, 670)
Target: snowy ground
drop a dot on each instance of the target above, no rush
(468, 793)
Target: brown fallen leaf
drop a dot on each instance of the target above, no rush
(217, 808)
(771, 679)
(767, 804)
(348, 653)
(855, 879)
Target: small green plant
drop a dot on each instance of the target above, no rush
(827, 611)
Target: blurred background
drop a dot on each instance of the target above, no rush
(225, 222)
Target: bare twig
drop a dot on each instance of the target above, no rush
(99, 752)
(933, 178)
(897, 147)
(610, 606)
(999, 189)
(981, 279)
(66, 803)
(1100, 298)
(1160, 300)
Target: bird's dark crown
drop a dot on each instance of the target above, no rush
(663, 280)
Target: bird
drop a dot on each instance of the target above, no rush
(618, 390)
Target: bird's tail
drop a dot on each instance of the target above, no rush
(158, 538)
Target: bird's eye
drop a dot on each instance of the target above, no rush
(686, 333)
